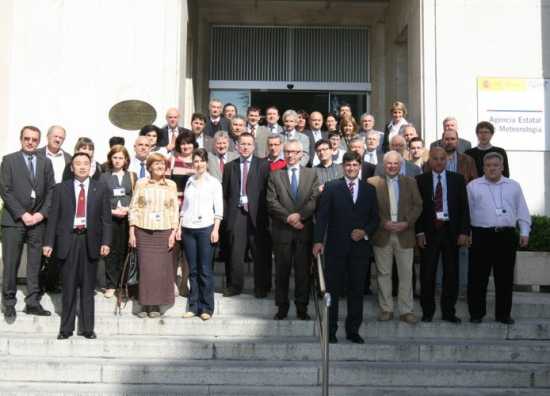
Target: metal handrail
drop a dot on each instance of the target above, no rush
(322, 319)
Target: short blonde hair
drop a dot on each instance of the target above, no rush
(397, 105)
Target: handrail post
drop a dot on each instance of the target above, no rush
(325, 337)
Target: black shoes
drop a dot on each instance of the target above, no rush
(475, 320)
(88, 334)
(9, 313)
(426, 318)
(64, 336)
(452, 319)
(355, 338)
(506, 321)
(260, 293)
(332, 339)
(281, 314)
(230, 292)
(38, 311)
(302, 314)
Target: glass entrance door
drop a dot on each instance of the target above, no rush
(296, 100)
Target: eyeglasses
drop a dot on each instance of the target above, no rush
(292, 151)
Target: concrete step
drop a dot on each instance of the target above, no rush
(183, 348)
(268, 373)
(219, 325)
(526, 305)
(46, 388)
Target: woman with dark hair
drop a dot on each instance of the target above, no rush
(303, 120)
(153, 219)
(121, 183)
(331, 123)
(181, 161)
(229, 111)
(84, 145)
(200, 218)
(152, 132)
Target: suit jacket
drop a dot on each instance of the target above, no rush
(337, 216)
(211, 129)
(305, 146)
(466, 166)
(111, 181)
(379, 156)
(258, 173)
(463, 145)
(16, 188)
(280, 204)
(61, 220)
(408, 209)
(163, 139)
(457, 202)
(262, 133)
(214, 164)
(207, 143)
(279, 129)
(411, 169)
(309, 135)
(66, 156)
(363, 134)
(367, 170)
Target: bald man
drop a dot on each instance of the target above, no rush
(315, 132)
(407, 168)
(142, 149)
(171, 130)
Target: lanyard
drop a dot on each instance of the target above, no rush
(493, 197)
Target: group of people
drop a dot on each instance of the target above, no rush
(236, 186)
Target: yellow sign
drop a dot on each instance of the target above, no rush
(501, 84)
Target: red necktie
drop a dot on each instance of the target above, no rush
(81, 206)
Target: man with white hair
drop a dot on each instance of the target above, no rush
(290, 120)
(373, 153)
(399, 206)
(170, 132)
(52, 150)
(291, 201)
(450, 123)
(220, 155)
(367, 126)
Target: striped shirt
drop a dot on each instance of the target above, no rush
(154, 205)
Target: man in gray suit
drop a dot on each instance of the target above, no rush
(290, 120)
(198, 122)
(220, 155)
(260, 133)
(26, 183)
(272, 118)
(291, 200)
(450, 123)
(397, 143)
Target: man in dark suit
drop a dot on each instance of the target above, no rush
(314, 133)
(451, 124)
(347, 217)
(244, 190)
(198, 121)
(49, 275)
(272, 119)
(170, 132)
(441, 229)
(357, 145)
(292, 195)
(26, 183)
(215, 121)
(80, 228)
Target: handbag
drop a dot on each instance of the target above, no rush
(128, 278)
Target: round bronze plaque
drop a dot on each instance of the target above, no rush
(132, 114)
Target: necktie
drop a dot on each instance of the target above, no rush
(294, 184)
(31, 168)
(142, 170)
(252, 130)
(244, 181)
(438, 197)
(221, 164)
(81, 206)
(351, 186)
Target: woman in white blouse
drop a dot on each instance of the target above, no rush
(200, 217)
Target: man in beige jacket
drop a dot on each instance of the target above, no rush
(399, 205)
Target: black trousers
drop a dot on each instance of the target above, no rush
(346, 274)
(243, 234)
(297, 255)
(439, 243)
(79, 272)
(494, 250)
(13, 239)
(119, 248)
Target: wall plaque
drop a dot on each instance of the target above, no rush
(132, 114)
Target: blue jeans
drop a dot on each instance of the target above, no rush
(200, 253)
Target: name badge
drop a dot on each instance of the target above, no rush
(119, 192)
(442, 216)
(500, 211)
(243, 200)
(80, 221)
(155, 216)
(33, 194)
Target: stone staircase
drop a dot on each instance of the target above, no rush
(242, 351)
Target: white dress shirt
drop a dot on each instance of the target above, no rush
(58, 163)
(394, 128)
(393, 191)
(317, 135)
(499, 204)
(202, 202)
(135, 166)
(289, 173)
(355, 187)
(77, 184)
(371, 157)
(200, 140)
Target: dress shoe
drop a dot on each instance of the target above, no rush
(280, 315)
(260, 294)
(426, 318)
(409, 318)
(109, 293)
(367, 292)
(230, 292)
(54, 290)
(332, 339)
(188, 315)
(384, 316)
(475, 320)
(205, 316)
(451, 319)
(303, 315)
(9, 313)
(64, 336)
(154, 314)
(89, 335)
(506, 321)
(355, 338)
(38, 311)
(142, 314)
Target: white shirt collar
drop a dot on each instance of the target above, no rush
(50, 154)
(86, 183)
